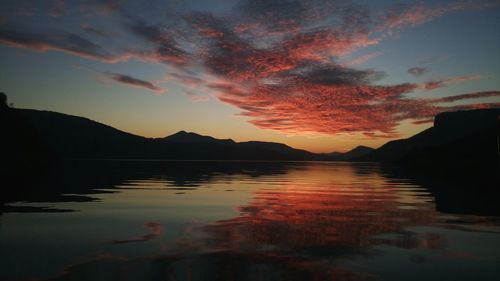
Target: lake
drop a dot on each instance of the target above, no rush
(154, 220)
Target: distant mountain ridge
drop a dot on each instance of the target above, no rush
(358, 151)
(463, 136)
(67, 136)
(189, 137)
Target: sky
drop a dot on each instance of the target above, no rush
(320, 75)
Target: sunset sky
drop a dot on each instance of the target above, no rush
(314, 74)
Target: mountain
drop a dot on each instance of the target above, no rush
(66, 136)
(358, 151)
(461, 139)
(188, 137)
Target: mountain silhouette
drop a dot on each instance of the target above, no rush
(72, 137)
(188, 137)
(354, 153)
(462, 139)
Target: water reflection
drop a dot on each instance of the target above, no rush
(79, 180)
(243, 221)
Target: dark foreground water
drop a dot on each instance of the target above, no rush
(128, 220)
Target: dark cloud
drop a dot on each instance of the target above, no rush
(282, 16)
(164, 45)
(136, 83)
(339, 75)
(476, 95)
(148, 32)
(418, 71)
(104, 7)
(65, 42)
(94, 30)
(16, 8)
(275, 15)
(58, 8)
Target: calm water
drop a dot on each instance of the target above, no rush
(247, 221)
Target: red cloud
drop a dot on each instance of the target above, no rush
(292, 86)
(277, 62)
(302, 107)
